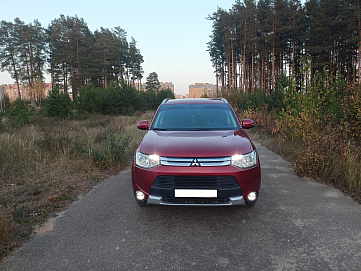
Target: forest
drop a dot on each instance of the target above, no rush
(72, 54)
(256, 42)
(295, 68)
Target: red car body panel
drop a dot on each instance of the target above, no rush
(196, 143)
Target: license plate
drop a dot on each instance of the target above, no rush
(195, 193)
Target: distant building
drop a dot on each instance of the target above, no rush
(180, 96)
(2, 92)
(11, 90)
(165, 85)
(201, 89)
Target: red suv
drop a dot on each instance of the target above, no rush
(196, 152)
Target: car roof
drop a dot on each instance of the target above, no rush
(196, 101)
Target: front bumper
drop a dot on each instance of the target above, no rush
(157, 200)
(247, 181)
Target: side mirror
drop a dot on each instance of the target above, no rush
(247, 124)
(143, 125)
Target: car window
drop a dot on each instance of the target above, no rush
(188, 117)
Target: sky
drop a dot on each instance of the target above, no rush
(171, 35)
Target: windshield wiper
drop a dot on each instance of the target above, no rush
(159, 129)
(200, 129)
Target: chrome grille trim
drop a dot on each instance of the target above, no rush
(204, 162)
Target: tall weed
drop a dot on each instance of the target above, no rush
(325, 121)
(48, 163)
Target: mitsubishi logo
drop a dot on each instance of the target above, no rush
(195, 163)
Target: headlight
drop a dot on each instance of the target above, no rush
(145, 160)
(245, 160)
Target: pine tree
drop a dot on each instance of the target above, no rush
(153, 82)
(70, 41)
(9, 54)
(136, 59)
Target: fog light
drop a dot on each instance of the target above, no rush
(139, 195)
(252, 196)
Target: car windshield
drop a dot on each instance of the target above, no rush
(195, 117)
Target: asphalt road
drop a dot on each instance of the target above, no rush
(297, 224)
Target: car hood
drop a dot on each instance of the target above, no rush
(196, 143)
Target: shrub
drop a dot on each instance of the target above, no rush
(19, 113)
(58, 105)
(89, 99)
(141, 103)
(113, 151)
(164, 94)
(111, 100)
(323, 120)
(243, 101)
(128, 95)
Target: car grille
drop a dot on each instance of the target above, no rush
(226, 186)
(195, 200)
(194, 182)
(186, 162)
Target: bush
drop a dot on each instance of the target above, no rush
(89, 99)
(164, 94)
(58, 105)
(113, 151)
(324, 120)
(150, 98)
(19, 113)
(241, 101)
(128, 95)
(141, 103)
(111, 100)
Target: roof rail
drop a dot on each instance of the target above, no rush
(165, 100)
(224, 100)
(221, 99)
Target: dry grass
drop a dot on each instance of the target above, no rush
(326, 155)
(43, 167)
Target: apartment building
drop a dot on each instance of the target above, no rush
(180, 96)
(2, 92)
(165, 85)
(11, 90)
(200, 89)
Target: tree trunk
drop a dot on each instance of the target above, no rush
(133, 73)
(252, 76)
(359, 45)
(31, 63)
(241, 70)
(78, 59)
(244, 55)
(229, 68)
(273, 58)
(217, 76)
(222, 70)
(105, 73)
(13, 63)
